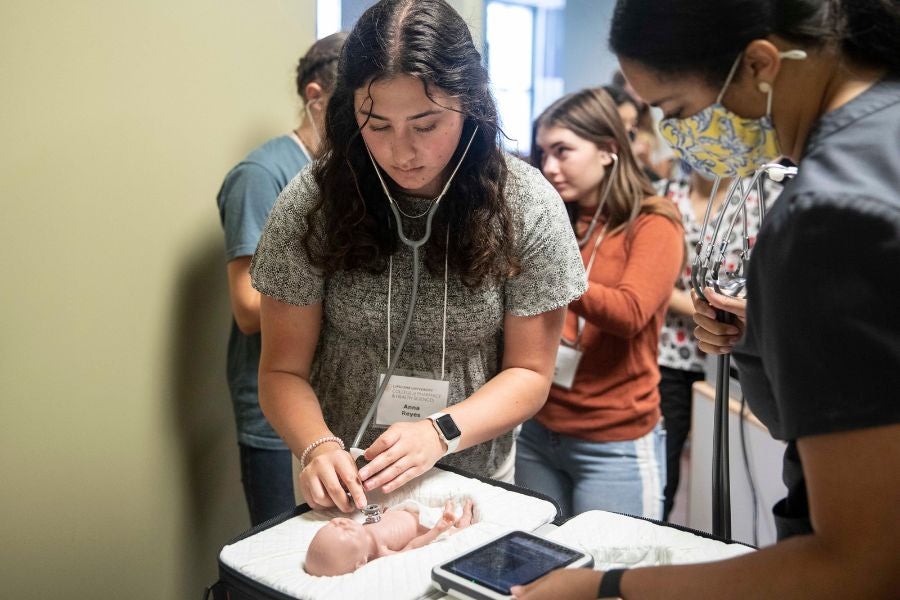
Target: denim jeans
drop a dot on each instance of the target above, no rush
(268, 482)
(626, 477)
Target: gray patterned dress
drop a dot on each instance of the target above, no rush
(352, 347)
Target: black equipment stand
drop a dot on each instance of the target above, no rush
(721, 479)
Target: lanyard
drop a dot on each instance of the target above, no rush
(302, 145)
(444, 333)
(581, 321)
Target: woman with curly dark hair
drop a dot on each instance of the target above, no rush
(411, 122)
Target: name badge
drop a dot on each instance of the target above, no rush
(567, 359)
(410, 399)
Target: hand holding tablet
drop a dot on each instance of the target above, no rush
(516, 558)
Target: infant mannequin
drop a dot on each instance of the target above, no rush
(343, 545)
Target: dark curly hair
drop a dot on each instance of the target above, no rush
(351, 226)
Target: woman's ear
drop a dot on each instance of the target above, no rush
(606, 151)
(761, 62)
(314, 94)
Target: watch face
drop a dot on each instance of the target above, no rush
(448, 427)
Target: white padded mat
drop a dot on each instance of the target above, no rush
(274, 557)
(617, 541)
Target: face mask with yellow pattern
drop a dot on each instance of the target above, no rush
(715, 141)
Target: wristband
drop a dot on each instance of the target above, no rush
(316, 444)
(610, 584)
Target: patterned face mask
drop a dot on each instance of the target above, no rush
(718, 142)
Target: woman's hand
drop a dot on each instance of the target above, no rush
(715, 337)
(572, 584)
(329, 474)
(403, 452)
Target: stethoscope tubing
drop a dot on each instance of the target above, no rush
(704, 264)
(414, 246)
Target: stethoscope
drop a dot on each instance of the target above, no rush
(414, 246)
(583, 240)
(602, 204)
(706, 271)
(707, 265)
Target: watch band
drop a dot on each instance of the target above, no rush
(609, 584)
(452, 442)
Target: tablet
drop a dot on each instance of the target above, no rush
(516, 558)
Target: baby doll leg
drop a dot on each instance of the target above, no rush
(466, 518)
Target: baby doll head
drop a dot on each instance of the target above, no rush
(340, 547)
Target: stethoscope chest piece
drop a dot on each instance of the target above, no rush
(372, 513)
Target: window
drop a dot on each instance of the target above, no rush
(328, 18)
(510, 47)
(522, 38)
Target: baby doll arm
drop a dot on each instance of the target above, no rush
(445, 523)
(448, 521)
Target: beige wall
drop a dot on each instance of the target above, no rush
(118, 120)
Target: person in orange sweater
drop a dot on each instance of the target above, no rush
(598, 442)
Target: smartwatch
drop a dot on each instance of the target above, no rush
(447, 430)
(610, 584)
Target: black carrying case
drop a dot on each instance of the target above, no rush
(233, 585)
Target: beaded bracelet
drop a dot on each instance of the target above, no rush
(316, 444)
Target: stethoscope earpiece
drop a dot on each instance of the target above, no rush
(795, 54)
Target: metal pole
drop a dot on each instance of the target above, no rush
(721, 481)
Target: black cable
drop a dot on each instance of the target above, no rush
(753, 495)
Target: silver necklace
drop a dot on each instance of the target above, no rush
(419, 216)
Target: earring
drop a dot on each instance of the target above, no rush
(764, 86)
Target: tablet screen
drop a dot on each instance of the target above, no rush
(515, 559)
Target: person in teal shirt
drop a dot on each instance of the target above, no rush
(245, 200)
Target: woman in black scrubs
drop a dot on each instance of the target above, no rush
(817, 81)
